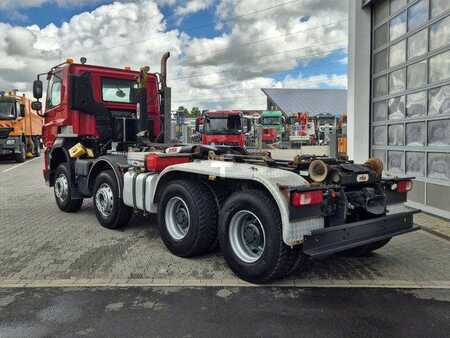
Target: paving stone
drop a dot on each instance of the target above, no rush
(40, 244)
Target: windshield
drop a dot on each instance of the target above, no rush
(270, 120)
(223, 125)
(115, 90)
(7, 111)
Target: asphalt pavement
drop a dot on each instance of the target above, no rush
(224, 312)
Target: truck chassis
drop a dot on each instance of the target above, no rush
(242, 206)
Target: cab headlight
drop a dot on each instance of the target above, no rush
(10, 142)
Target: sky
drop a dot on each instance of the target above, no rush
(223, 51)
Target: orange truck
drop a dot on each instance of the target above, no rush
(20, 127)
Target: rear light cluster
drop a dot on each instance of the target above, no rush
(404, 186)
(155, 162)
(306, 198)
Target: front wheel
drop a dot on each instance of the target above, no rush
(250, 235)
(110, 210)
(63, 190)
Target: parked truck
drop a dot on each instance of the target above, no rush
(224, 128)
(106, 137)
(273, 124)
(20, 127)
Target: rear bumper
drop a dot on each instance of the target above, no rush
(330, 240)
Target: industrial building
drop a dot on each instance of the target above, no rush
(399, 93)
(311, 101)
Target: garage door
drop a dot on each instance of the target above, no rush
(410, 106)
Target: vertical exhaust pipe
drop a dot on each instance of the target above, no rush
(165, 135)
(164, 59)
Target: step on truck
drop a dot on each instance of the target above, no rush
(20, 127)
(106, 137)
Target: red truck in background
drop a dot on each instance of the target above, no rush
(224, 128)
(269, 135)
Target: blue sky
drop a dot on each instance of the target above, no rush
(237, 46)
(45, 14)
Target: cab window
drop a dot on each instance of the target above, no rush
(54, 91)
(117, 90)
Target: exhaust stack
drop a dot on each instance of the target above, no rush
(164, 59)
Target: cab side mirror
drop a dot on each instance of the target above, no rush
(36, 105)
(22, 110)
(37, 89)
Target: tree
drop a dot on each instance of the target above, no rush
(195, 112)
(183, 110)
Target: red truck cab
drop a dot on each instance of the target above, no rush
(224, 128)
(100, 107)
(270, 135)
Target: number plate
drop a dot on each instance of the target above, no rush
(362, 178)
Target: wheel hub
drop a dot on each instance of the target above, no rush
(247, 237)
(104, 200)
(177, 218)
(251, 234)
(61, 187)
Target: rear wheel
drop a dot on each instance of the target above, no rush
(365, 250)
(63, 190)
(187, 218)
(299, 262)
(250, 236)
(110, 210)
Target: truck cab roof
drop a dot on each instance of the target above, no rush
(272, 114)
(224, 113)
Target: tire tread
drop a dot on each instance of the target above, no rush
(207, 216)
(286, 256)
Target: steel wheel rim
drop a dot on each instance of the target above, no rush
(247, 236)
(61, 187)
(178, 218)
(104, 200)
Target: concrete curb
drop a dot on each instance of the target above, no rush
(390, 284)
(434, 232)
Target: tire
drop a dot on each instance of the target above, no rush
(187, 218)
(37, 148)
(365, 250)
(109, 207)
(220, 196)
(63, 190)
(257, 214)
(299, 262)
(21, 156)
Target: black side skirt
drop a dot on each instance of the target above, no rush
(327, 241)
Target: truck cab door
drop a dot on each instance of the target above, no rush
(54, 112)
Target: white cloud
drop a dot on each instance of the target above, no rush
(256, 43)
(193, 6)
(344, 61)
(315, 81)
(222, 72)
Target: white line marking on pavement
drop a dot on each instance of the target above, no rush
(19, 165)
